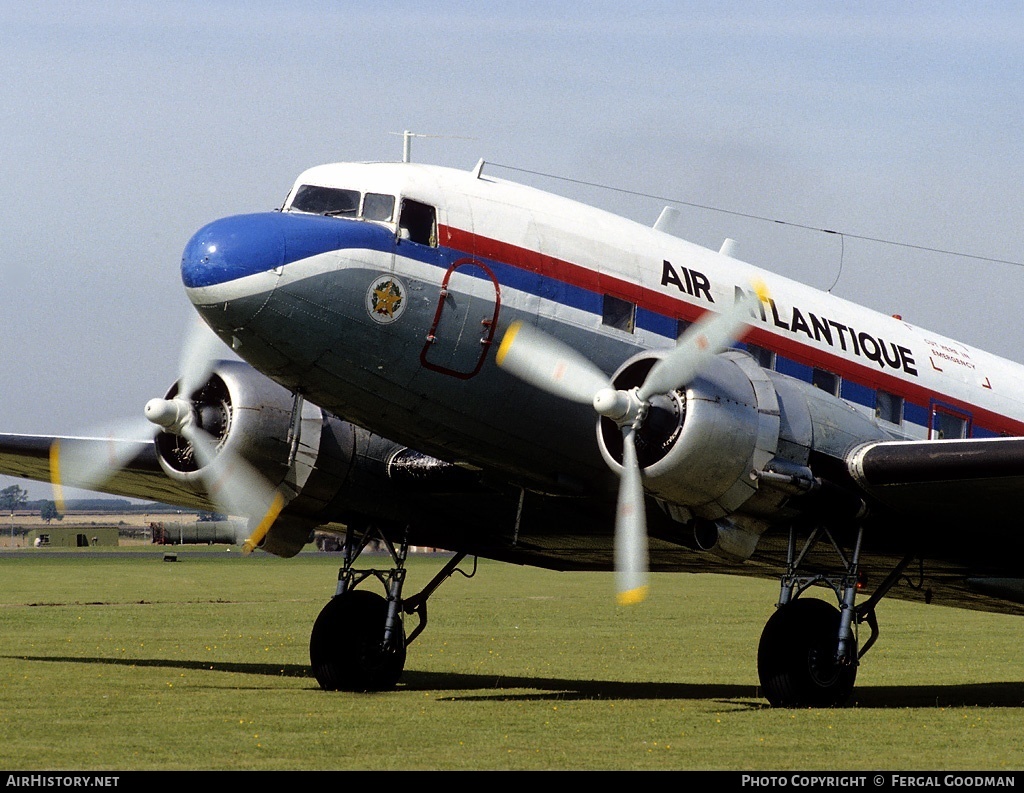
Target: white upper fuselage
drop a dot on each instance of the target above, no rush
(610, 284)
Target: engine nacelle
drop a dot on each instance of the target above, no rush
(325, 467)
(730, 454)
(701, 448)
(245, 413)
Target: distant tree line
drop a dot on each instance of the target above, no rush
(104, 505)
(15, 499)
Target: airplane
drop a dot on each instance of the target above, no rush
(430, 356)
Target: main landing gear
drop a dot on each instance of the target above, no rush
(808, 655)
(358, 641)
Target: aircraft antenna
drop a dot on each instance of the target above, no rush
(842, 253)
(841, 234)
(407, 137)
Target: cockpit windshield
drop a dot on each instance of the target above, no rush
(338, 202)
(326, 200)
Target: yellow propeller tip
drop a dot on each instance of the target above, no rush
(761, 290)
(632, 596)
(506, 342)
(264, 525)
(58, 489)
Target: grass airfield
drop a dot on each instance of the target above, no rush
(119, 660)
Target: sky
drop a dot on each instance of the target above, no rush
(126, 126)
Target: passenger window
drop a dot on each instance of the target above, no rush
(377, 206)
(326, 201)
(947, 425)
(681, 326)
(418, 222)
(619, 314)
(888, 407)
(826, 381)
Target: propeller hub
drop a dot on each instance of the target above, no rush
(623, 407)
(173, 415)
(611, 403)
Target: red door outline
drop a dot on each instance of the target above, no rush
(488, 324)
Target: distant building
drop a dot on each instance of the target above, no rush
(73, 537)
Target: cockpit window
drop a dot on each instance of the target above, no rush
(418, 222)
(326, 201)
(377, 206)
(337, 202)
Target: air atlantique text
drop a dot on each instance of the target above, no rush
(816, 328)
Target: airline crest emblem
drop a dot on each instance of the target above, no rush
(386, 299)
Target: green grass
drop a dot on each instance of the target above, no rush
(127, 662)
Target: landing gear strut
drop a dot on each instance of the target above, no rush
(808, 654)
(358, 641)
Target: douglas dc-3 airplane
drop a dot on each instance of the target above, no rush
(437, 357)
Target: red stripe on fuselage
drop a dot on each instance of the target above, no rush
(665, 304)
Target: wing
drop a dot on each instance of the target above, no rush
(28, 457)
(976, 479)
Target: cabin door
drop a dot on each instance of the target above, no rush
(464, 322)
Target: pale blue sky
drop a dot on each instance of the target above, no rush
(125, 126)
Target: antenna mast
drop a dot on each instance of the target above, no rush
(407, 146)
(407, 137)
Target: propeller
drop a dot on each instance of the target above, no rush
(234, 485)
(558, 369)
(88, 462)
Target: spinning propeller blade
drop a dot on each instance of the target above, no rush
(705, 338)
(235, 486)
(200, 351)
(546, 363)
(80, 463)
(550, 365)
(630, 528)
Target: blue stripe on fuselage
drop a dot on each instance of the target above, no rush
(243, 245)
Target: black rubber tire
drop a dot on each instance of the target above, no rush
(345, 645)
(796, 657)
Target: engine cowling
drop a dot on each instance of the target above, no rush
(325, 468)
(241, 410)
(701, 447)
(730, 454)
(249, 416)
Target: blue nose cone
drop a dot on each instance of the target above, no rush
(233, 248)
